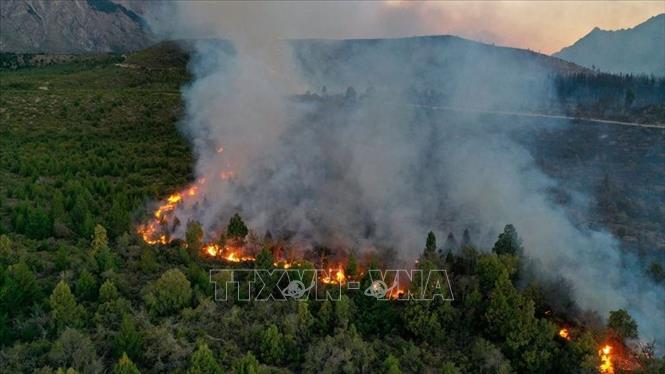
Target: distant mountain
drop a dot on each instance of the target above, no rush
(640, 50)
(72, 26)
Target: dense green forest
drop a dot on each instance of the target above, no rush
(86, 146)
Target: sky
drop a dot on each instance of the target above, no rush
(543, 26)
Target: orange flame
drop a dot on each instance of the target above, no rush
(151, 231)
(237, 257)
(396, 293)
(284, 264)
(605, 354)
(564, 333)
(228, 253)
(211, 249)
(337, 278)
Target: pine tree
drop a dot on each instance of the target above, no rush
(108, 291)
(203, 362)
(272, 346)
(343, 311)
(19, 289)
(622, 324)
(451, 243)
(264, 260)
(325, 317)
(430, 245)
(118, 218)
(170, 293)
(64, 309)
(100, 240)
(81, 218)
(247, 365)
(508, 242)
(305, 318)
(5, 246)
(125, 366)
(236, 228)
(391, 365)
(86, 286)
(194, 237)
(129, 339)
(39, 225)
(466, 238)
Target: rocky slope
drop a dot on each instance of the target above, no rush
(72, 26)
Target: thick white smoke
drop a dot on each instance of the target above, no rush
(374, 170)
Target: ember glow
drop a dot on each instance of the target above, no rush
(605, 354)
(396, 293)
(226, 175)
(564, 333)
(334, 276)
(227, 253)
(211, 249)
(236, 255)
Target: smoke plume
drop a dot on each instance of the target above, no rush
(368, 167)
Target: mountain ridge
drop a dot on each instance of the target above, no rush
(636, 50)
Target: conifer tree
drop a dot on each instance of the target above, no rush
(203, 361)
(64, 309)
(125, 366)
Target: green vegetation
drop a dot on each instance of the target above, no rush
(236, 228)
(81, 293)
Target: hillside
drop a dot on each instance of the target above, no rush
(455, 72)
(71, 26)
(446, 69)
(638, 50)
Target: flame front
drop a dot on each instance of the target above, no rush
(152, 231)
(605, 354)
(237, 256)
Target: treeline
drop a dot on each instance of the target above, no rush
(612, 96)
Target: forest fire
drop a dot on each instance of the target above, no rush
(152, 232)
(564, 333)
(228, 253)
(237, 256)
(605, 354)
(334, 276)
(211, 249)
(396, 293)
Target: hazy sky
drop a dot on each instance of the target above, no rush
(542, 26)
(538, 25)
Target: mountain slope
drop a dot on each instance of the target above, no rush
(71, 26)
(442, 69)
(639, 50)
